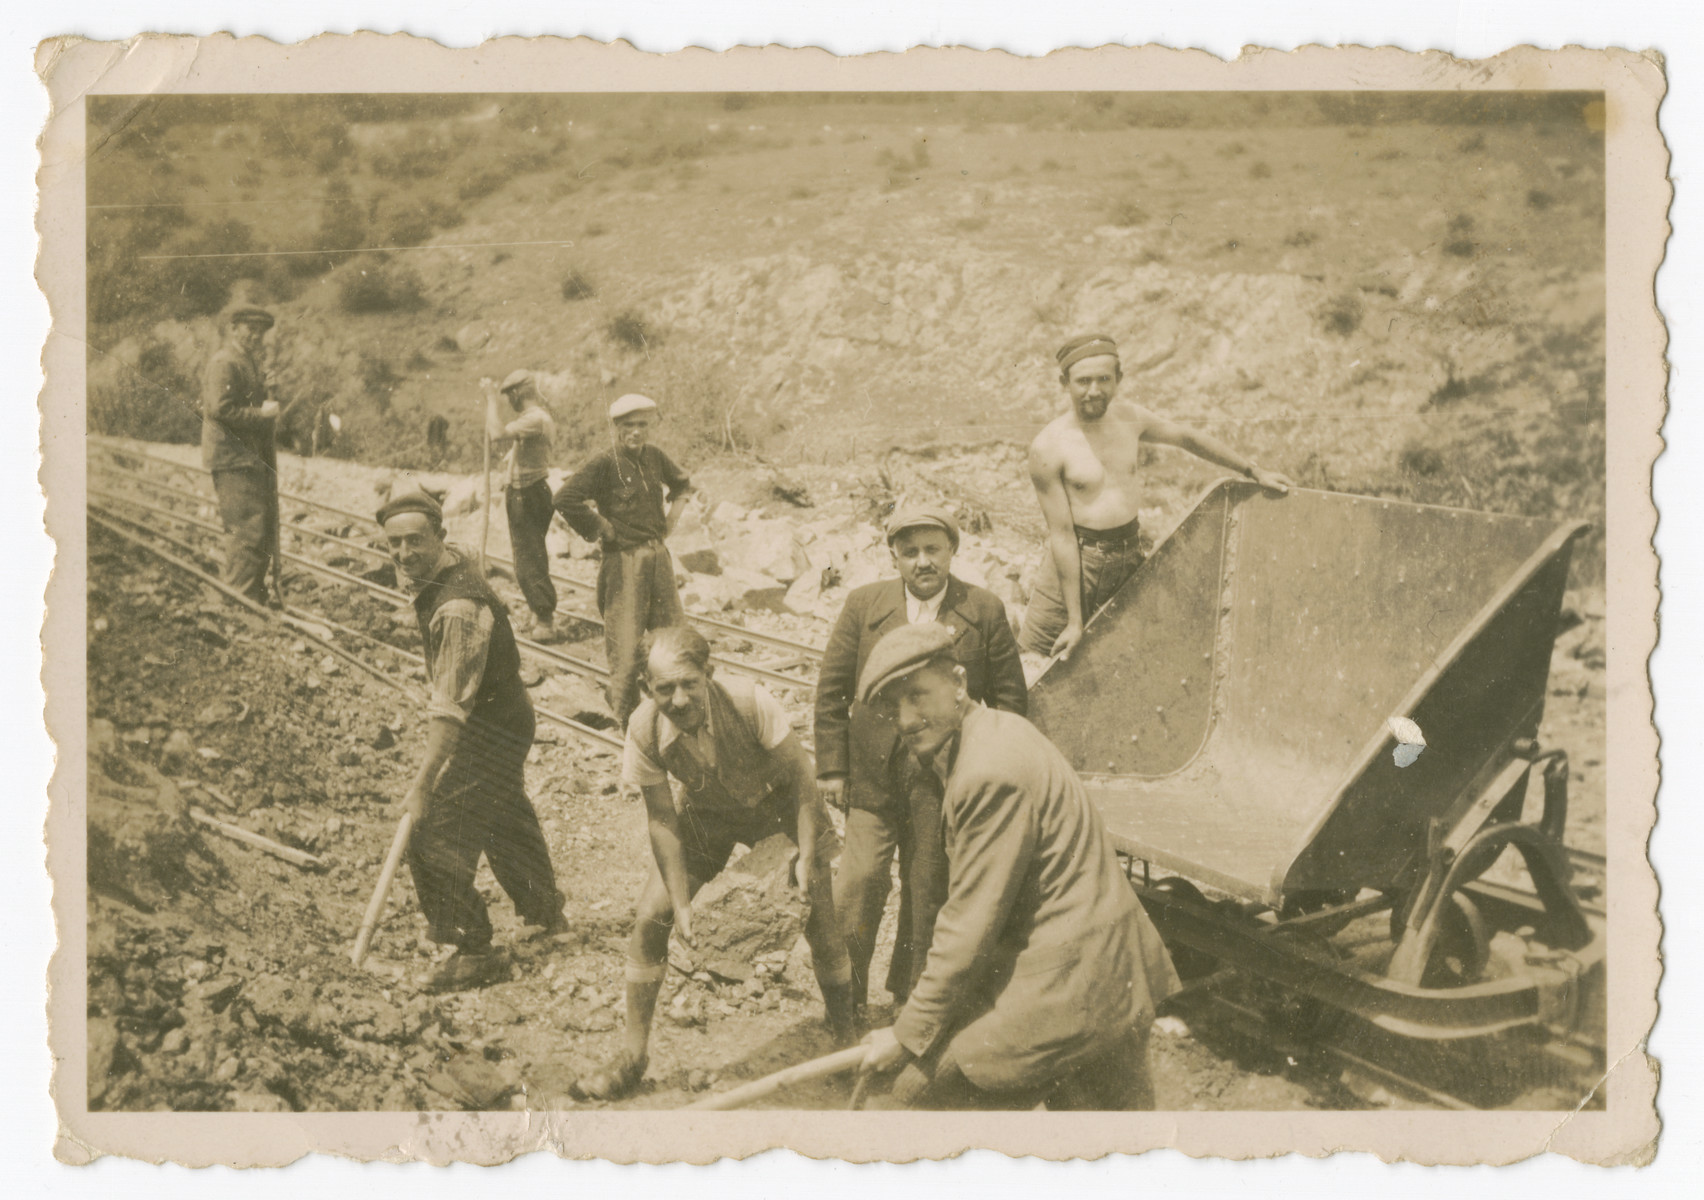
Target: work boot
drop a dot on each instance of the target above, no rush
(841, 1011)
(467, 969)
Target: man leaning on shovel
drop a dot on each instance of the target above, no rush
(469, 796)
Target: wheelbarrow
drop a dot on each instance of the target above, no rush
(1230, 713)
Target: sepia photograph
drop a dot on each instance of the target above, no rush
(870, 600)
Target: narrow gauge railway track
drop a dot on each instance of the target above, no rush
(113, 505)
(148, 539)
(108, 475)
(118, 449)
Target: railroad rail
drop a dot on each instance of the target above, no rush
(561, 658)
(119, 447)
(140, 536)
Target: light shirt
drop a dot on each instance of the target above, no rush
(639, 769)
(918, 611)
(529, 457)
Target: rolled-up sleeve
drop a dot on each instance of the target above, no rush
(461, 631)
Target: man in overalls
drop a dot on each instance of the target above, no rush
(744, 776)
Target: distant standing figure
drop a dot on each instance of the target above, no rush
(862, 764)
(469, 795)
(438, 435)
(526, 498)
(628, 499)
(1084, 466)
(238, 425)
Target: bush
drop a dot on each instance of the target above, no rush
(157, 402)
(577, 287)
(1127, 214)
(382, 288)
(630, 329)
(1341, 314)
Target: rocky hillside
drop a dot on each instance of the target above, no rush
(1366, 301)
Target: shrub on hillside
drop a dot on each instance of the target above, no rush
(1341, 314)
(381, 288)
(156, 401)
(577, 287)
(628, 328)
(1127, 214)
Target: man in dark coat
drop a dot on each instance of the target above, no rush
(469, 796)
(238, 422)
(861, 765)
(1042, 978)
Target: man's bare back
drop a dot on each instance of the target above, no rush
(1085, 466)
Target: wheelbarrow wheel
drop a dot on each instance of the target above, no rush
(1463, 947)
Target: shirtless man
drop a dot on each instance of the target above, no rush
(1084, 467)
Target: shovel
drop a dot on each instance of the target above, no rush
(376, 906)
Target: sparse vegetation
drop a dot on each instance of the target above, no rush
(381, 288)
(1341, 314)
(628, 328)
(1127, 214)
(577, 287)
(1538, 200)
(1260, 170)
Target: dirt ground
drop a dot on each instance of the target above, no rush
(219, 978)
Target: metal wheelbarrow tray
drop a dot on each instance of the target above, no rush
(1228, 711)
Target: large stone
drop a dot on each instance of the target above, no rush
(141, 841)
(771, 549)
(750, 909)
(465, 496)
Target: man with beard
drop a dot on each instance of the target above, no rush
(861, 765)
(627, 499)
(1042, 978)
(1084, 466)
(469, 796)
(743, 777)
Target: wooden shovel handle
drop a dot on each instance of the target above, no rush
(376, 906)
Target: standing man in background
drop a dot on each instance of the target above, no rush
(1085, 468)
(238, 424)
(627, 499)
(862, 765)
(526, 497)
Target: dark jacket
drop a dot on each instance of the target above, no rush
(1042, 955)
(631, 492)
(232, 435)
(859, 742)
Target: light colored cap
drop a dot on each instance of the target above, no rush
(631, 403)
(518, 377)
(900, 653)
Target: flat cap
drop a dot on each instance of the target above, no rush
(1088, 346)
(516, 378)
(915, 516)
(631, 403)
(251, 314)
(900, 653)
(409, 498)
